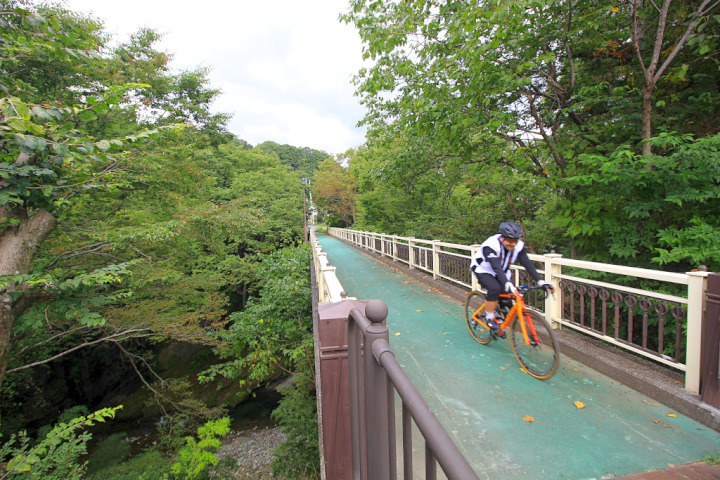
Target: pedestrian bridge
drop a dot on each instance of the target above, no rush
(579, 424)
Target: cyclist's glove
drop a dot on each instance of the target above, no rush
(510, 288)
(546, 286)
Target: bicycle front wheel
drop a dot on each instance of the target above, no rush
(475, 306)
(541, 357)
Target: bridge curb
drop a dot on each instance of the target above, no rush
(650, 379)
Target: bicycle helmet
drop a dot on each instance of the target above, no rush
(510, 230)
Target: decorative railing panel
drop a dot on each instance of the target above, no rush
(642, 321)
(455, 267)
(403, 252)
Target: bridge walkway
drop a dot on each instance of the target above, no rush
(506, 423)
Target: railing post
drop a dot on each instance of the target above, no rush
(411, 252)
(377, 402)
(322, 262)
(696, 306)
(474, 250)
(383, 250)
(553, 304)
(394, 248)
(436, 258)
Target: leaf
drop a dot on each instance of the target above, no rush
(88, 116)
(580, 404)
(651, 403)
(661, 423)
(672, 415)
(528, 419)
(397, 334)
(418, 310)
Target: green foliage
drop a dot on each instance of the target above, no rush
(198, 455)
(112, 450)
(299, 455)
(474, 119)
(182, 412)
(56, 457)
(638, 205)
(335, 191)
(150, 465)
(712, 459)
(304, 161)
(274, 332)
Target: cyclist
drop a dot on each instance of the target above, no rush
(492, 267)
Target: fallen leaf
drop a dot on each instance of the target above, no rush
(672, 415)
(501, 368)
(653, 404)
(397, 334)
(528, 418)
(575, 370)
(418, 310)
(406, 282)
(662, 424)
(580, 404)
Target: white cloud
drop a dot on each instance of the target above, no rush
(284, 66)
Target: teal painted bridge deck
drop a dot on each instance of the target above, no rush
(482, 398)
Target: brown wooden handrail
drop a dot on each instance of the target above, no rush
(374, 377)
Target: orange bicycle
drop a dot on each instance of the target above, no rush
(531, 336)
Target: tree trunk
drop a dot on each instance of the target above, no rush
(18, 246)
(647, 109)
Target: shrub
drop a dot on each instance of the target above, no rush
(113, 450)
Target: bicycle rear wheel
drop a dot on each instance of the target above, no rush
(475, 305)
(540, 360)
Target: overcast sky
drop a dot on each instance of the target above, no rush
(284, 66)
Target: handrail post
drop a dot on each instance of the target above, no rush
(322, 262)
(394, 248)
(697, 282)
(474, 250)
(377, 402)
(553, 305)
(411, 252)
(436, 258)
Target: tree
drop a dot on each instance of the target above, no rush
(335, 191)
(46, 151)
(469, 86)
(304, 160)
(656, 53)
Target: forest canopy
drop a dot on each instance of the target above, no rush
(132, 219)
(595, 127)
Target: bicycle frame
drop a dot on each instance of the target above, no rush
(515, 314)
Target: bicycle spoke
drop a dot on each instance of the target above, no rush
(537, 350)
(475, 306)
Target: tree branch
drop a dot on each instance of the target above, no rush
(132, 333)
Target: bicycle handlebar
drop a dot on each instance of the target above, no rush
(526, 288)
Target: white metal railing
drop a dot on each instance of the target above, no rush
(426, 255)
(329, 287)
